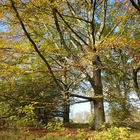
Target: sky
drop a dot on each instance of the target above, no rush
(2, 27)
(82, 107)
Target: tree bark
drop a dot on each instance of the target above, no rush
(98, 114)
(66, 114)
(66, 109)
(136, 5)
(135, 80)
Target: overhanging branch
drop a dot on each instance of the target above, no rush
(88, 98)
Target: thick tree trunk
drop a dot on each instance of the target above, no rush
(99, 117)
(98, 107)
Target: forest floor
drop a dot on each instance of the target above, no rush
(66, 134)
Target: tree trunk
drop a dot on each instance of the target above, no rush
(66, 114)
(66, 110)
(99, 115)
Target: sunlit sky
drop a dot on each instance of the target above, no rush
(82, 107)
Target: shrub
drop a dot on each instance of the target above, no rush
(113, 133)
(80, 133)
(56, 125)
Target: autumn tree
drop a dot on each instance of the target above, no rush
(79, 33)
(94, 34)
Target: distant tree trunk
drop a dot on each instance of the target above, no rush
(66, 114)
(41, 116)
(66, 110)
(135, 80)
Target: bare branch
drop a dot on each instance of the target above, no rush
(102, 25)
(79, 102)
(70, 7)
(73, 31)
(88, 98)
(93, 4)
(137, 6)
(59, 30)
(77, 18)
